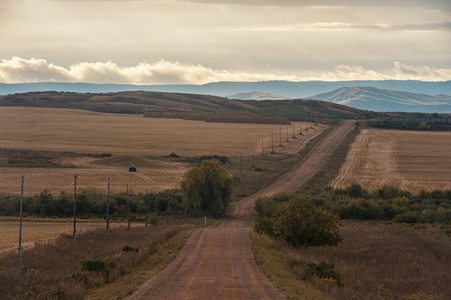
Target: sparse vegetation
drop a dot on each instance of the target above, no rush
(68, 269)
(375, 261)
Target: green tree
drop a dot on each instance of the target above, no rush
(207, 189)
(301, 224)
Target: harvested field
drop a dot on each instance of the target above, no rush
(40, 232)
(131, 139)
(89, 132)
(409, 160)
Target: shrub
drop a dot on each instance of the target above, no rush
(300, 224)
(323, 270)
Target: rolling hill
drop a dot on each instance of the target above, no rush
(376, 99)
(157, 104)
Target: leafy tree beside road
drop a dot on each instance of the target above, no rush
(207, 189)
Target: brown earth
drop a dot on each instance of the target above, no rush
(131, 139)
(409, 160)
(218, 263)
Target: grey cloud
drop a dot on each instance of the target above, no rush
(425, 27)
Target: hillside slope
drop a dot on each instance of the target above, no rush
(375, 99)
(176, 105)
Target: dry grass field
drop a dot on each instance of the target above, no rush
(131, 139)
(375, 260)
(409, 160)
(40, 232)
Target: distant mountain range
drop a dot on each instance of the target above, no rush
(368, 100)
(376, 99)
(289, 89)
(257, 96)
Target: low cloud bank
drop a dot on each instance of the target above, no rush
(18, 70)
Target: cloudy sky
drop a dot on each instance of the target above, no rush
(201, 41)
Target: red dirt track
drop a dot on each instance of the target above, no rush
(217, 263)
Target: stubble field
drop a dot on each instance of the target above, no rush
(409, 160)
(131, 139)
(40, 232)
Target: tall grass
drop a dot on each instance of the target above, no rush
(67, 269)
(378, 261)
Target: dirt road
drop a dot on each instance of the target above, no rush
(218, 263)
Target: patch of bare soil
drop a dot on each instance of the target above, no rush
(218, 263)
(410, 160)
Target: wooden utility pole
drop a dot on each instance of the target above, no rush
(75, 206)
(280, 136)
(287, 133)
(128, 210)
(20, 222)
(272, 143)
(108, 207)
(241, 168)
(156, 211)
(145, 204)
(253, 156)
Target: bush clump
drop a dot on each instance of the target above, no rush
(301, 224)
(323, 270)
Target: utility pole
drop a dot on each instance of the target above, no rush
(253, 156)
(156, 211)
(280, 136)
(108, 206)
(272, 144)
(75, 206)
(145, 203)
(128, 210)
(20, 223)
(287, 133)
(241, 168)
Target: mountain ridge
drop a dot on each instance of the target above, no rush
(382, 100)
(289, 89)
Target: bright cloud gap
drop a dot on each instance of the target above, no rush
(19, 70)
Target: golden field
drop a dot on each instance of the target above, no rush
(131, 139)
(409, 160)
(40, 232)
